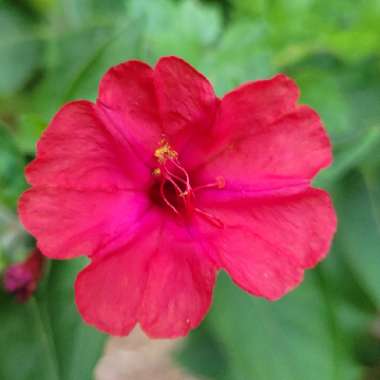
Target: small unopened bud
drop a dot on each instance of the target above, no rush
(21, 279)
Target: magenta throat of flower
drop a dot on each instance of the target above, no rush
(172, 189)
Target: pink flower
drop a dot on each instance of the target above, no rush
(161, 184)
(22, 279)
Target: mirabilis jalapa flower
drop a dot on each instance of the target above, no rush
(161, 184)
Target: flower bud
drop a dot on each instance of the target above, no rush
(21, 279)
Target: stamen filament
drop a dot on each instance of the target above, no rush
(219, 183)
(165, 156)
(174, 175)
(211, 218)
(174, 162)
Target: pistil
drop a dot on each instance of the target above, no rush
(171, 173)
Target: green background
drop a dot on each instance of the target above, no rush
(52, 51)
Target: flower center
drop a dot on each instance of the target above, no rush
(173, 189)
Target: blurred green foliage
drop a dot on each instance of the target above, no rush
(52, 51)
(45, 339)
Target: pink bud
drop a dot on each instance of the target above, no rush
(22, 278)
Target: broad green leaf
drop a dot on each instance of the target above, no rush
(361, 37)
(348, 29)
(350, 155)
(345, 95)
(28, 131)
(11, 169)
(203, 354)
(19, 50)
(74, 14)
(70, 54)
(240, 55)
(358, 205)
(187, 28)
(295, 338)
(41, 6)
(361, 83)
(315, 82)
(47, 337)
(26, 352)
(81, 58)
(248, 8)
(78, 346)
(121, 44)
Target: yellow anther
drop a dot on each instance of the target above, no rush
(157, 172)
(164, 152)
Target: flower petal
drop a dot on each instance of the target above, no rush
(179, 286)
(254, 105)
(108, 292)
(159, 281)
(266, 244)
(127, 97)
(186, 97)
(78, 151)
(188, 106)
(69, 223)
(288, 152)
(144, 104)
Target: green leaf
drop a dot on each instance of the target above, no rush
(203, 354)
(194, 27)
(350, 155)
(11, 169)
(24, 346)
(295, 338)
(28, 131)
(233, 60)
(358, 205)
(48, 338)
(349, 29)
(334, 109)
(361, 38)
(19, 51)
(70, 54)
(77, 345)
(79, 60)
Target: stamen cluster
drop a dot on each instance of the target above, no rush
(170, 171)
